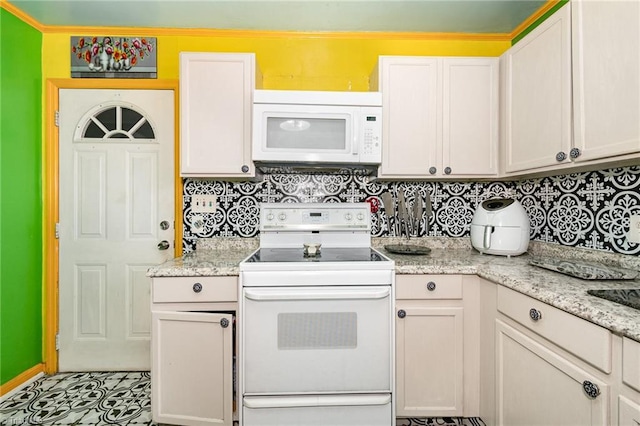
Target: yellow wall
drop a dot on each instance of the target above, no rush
(288, 60)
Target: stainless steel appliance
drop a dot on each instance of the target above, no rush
(316, 320)
(500, 226)
(317, 128)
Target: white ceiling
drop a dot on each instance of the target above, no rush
(447, 16)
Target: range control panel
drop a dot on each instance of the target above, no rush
(314, 216)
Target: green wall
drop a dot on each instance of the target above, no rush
(20, 196)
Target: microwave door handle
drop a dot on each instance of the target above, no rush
(258, 295)
(355, 148)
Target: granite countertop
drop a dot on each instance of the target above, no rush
(453, 256)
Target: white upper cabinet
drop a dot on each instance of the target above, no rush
(470, 116)
(409, 87)
(216, 96)
(440, 116)
(537, 82)
(606, 73)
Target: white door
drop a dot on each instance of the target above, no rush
(116, 209)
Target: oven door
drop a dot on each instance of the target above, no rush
(316, 340)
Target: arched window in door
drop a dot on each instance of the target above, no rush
(115, 122)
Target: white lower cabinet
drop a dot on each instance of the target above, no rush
(552, 368)
(430, 347)
(192, 350)
(536, 386)
(628, 412)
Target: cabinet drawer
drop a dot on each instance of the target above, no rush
(631, 363)
(186, 289)
(588, 341)
(428, 287)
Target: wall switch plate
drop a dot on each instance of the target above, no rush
(633, 236)
(203, 203)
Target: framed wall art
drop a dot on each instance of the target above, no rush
(113, 57)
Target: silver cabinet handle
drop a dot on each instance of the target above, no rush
(575, 153)
(447, 170)
(561, 156)
(431, 286)
(535, 314)
(245, 168)
(163, 245)
(432, 170)
(402, 313)
(224, 323)
(591, 389)
(197, 288)
(164, 225)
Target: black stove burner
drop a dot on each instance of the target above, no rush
(350, 254)
(628, 297)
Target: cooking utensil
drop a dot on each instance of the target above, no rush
(428, 211)
(403, 212)
(389, 209)
(417, 213)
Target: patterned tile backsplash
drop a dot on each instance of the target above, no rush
(589, 210)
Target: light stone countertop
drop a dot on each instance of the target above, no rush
(455, 256)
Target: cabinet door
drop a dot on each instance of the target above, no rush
(469, 116)
(628, 412)
(191, 370)
(409, 96)
(429, 361)
(216, 95)
(538, 95)
(606, 66)
(536, 386)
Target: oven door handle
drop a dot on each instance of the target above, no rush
(309, 294)
(315, 401)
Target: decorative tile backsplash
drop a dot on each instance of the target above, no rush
(589, 210)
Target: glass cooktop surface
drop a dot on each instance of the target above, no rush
(585, 271)
(628, 297)
(365, 254)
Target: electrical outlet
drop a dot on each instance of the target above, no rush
(633, 236)
(203, 203)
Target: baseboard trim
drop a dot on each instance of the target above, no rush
(22, 379)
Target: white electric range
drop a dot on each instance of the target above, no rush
(316, 320)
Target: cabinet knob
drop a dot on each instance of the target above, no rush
(431, 286)
(224, 323)
(432, 170)
(535, 314)
(561, 156)
(402, 313)
(163, 245)
(575, 153)
(591, 389)
(447, 170)
(197, 288)
(245, 168)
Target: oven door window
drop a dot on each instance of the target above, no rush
(317, 340)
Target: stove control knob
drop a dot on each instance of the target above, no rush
(360, 216)
(270, 216)
(282, 216)
(348, 216)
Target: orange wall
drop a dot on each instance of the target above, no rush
(287, 60)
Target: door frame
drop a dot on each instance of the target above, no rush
(51, 193)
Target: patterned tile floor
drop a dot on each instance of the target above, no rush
(109, 399)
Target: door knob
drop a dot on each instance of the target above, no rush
(163, 245)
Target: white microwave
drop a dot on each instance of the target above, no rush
(309, 127)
